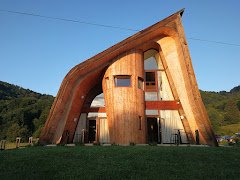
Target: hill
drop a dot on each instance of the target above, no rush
(22, 112)
(223, 110)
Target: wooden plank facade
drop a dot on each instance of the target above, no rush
(148, 93)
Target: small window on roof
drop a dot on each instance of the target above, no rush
(122, 81)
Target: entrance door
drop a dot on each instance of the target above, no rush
(153, 130)
(103, 135)
(91, 131)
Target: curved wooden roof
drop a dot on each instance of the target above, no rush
(75, 85)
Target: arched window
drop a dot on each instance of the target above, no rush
(150, 67)
(150, 62)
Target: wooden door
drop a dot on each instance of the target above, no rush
(103, 132)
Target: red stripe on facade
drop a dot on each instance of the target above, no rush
(150, 105)
(163, 105)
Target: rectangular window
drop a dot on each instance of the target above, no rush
(122, 81)
(150, 80)
(140, 83)
(151, 96)
(140, 122)
(151, 112)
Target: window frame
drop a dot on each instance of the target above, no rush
(122, 77)
(139, 79)
(156, 81)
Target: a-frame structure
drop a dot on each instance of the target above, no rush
(147, 91)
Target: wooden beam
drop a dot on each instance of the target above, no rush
(163, 105)
(150, 105)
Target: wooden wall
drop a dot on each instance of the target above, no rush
(125, 105)
(185, 86)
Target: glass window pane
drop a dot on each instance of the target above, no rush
(150, 76)
(151, 112)
(150, 64)
(95, 114)
(151, 96)
(122, 81)
(150, 81)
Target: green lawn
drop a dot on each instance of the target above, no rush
(10, 145)
(117, 162)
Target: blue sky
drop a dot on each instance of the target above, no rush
(37, 53)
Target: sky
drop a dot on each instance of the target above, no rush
(36, 53)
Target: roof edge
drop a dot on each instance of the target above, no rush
(181, 12)
(132, 37)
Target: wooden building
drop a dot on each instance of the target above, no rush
(141, 90)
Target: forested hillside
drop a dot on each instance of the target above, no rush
(24, 112)
(224, 110)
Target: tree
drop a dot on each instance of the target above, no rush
(235, 89)
(232, 114)
(17, 131)
(238, 105)
(216, 117)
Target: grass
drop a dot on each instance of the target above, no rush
(117, 162)
(10, 145)
(229, 129)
